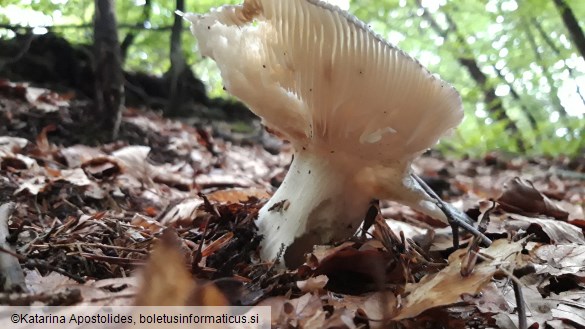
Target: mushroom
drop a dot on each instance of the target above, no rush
(356, 109)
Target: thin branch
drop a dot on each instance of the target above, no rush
(522, 323)
(455, 217)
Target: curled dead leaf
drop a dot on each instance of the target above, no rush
(521, 197)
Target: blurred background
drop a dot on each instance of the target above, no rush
(519, 65)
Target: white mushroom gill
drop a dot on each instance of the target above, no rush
(356, 109)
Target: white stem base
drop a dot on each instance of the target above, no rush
(318, 202)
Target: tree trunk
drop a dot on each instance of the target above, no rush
(178, 64)
(572, 25)
(108, 68)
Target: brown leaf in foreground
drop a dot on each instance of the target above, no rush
(166, 281)
(521, 197)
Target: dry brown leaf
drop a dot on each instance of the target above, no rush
(166, 281)
(558, 232)
(447, 286)
(313, 284)
(150, 225)
(521, 197)
(562, 259)
(183, 212)
(538, 309)
(236, 195)
(101, 167)
(76, 155)
(33, 185)
(9, 144)
(37, 283)
(489, 301)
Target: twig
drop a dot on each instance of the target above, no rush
(522, 323)
(113, 260)
(39, 263)
(454, 216)
(61, 298)
(88, 244)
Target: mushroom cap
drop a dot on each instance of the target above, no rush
(325, 81)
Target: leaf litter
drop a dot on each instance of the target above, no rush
(165, 216)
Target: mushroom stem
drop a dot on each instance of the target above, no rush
(319, 201)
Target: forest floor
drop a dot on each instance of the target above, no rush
(81, 219)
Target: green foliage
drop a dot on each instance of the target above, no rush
(521, 46)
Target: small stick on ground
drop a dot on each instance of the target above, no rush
(522, 323)
(455, 217)
(10, 268)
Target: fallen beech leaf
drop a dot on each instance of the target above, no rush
(16, 161)
(316, 283)
(34, 185)
(570, 313)
(76, 155)
(150, 225)
(489, 301)
(75, 177)
(557, 232)
(538, 309)
(236, 195)
(184, 211)
(9, 144)
(447, 286)
(562, 259)
(101, 167)
(521, 197)
(133, 160)
(38, 283)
